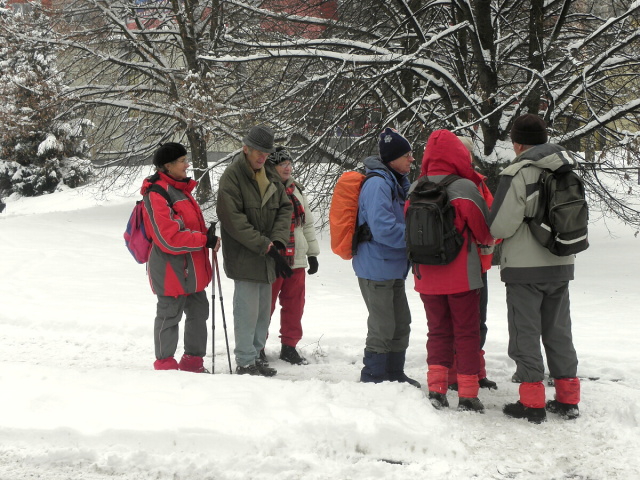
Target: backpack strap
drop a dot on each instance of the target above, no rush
(363, 232)
(158, 189)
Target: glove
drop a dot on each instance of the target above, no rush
(282, 267)
(313, 265)
(212, 239)
(278, 245)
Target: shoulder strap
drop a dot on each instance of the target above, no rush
(448, 180)
(158, 189)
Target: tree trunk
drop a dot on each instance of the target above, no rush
(198, 148)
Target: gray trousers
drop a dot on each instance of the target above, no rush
(388, 325)
(168, 314)
(251, 317)
(535, 312)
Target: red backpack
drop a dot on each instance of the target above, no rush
(135, 236)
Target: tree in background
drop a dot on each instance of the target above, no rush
(41, 149)
(471, 66)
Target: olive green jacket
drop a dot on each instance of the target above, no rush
(249, 223)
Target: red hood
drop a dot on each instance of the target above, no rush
(445, 154)
(186, 185)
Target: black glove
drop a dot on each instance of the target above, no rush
(212, 239)
(278, 245)
(282, 267)
(313, 265)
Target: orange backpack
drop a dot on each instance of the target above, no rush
(343, 213)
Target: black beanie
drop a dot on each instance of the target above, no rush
(392, 145)
(167, 153)
(529, 129)
(280, 155)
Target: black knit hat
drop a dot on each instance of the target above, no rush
(280, 155)
(167, 153)
(529, 129)
(260, 138)
(392, 145)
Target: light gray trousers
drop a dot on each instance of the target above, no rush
(251, 317)
(168, 315)
(540, 312)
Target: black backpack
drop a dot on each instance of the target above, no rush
(562, 215)
(431, 236)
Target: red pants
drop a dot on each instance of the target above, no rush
(291, 294)
(454, 324)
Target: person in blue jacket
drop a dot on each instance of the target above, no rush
(381, 263)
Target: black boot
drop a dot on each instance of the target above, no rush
(567, 411)
(466, 404)
(374, 370)
(395, 369)
(486, 383)
(290, 354)
(518, 410)
(438, 400)
(256, 370)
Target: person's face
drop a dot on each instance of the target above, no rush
(255, 157)
(402, 165)
(178, 168)
(284, 169)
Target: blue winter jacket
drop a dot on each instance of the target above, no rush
(381, 206)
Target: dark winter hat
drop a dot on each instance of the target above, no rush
(392, 145)
(167, 153)
(529, 129)
(260, 138)
(280, 155)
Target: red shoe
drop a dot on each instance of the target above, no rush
(191, 363)
(168, 363)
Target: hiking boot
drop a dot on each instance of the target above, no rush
(567, 411)
(486, 383)
(453, 386)
(470, 405)
(438, 400)
(518, 410)
(291, 355)
(256, 370)
(262, 359)
(402, 378)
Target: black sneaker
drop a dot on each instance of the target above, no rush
(256, 370)
(438, 400)
(291, 355)
(567, 411)
(470, 405)
(486, 383)
(518, 410)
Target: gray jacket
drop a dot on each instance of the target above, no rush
(523, 259)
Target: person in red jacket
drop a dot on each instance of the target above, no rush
(486, 260)
(451, 293)
(178, 268)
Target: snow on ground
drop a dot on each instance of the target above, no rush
(80, 398)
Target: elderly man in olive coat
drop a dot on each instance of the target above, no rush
(255, 219)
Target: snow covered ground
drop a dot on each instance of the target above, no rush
(80, 398)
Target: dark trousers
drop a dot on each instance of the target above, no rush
(290, 291)
(389, 321)
(168, 315)
(454, 325)
(535, 312)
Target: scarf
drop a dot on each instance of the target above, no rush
(297, 220)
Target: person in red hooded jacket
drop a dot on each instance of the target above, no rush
(486, 260)
(178, 268)
(451, 293)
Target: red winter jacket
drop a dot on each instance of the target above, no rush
(179, 261)
(445, 154)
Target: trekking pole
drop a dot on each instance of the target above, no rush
(224, 320)
(213, 314)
